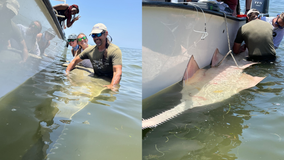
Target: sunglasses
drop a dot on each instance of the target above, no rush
(94, 35)
(34, 26)
(278, 25)
(83, 38)
(71, 40)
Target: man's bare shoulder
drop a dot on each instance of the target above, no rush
(60, 6)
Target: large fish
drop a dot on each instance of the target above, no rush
(208, 86)
(82, 89)
(34, 116)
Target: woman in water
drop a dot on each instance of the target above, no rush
(82, 41)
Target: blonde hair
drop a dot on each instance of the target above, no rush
(80, 47)
(78, 36)
(281, 16)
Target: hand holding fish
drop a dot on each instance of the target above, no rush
(112, 87)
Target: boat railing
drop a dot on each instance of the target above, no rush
(54, 18)
(205, 7)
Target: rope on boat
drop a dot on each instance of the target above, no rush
(204, 33)
(230, 51)
(57, 15)
(172, 113)
(60, 16)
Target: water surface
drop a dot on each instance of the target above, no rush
(248, 125)
(40, 119)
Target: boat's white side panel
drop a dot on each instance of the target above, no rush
(171, 36)
(14, 71)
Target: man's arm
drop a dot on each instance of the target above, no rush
(72, 64)
(238, 42)
(61, 6)
(43, 50)
(70, 23)
(237, 48)
(36, 49)
(117, 71)
(24, 51)
(38, 37)
(48, 44)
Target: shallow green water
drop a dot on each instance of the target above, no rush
(34, 124)
(247, 126)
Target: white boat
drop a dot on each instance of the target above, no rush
(20, 124)
(179, 38)
(15, 70)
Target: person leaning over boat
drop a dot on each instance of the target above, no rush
(233, 5)
(106, 57)
(72, 41)
(83, 43)
(64, 11)
(8, 10)
(30, 36)
(258, 38)
(278, 25)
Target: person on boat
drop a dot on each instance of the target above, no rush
(64, 11)
(82, 41)
(72, 41)
(8, 10)
(43, 40)
(30, 36)
(248, 5)
(258, 38)
(278, 25)
(106, 57)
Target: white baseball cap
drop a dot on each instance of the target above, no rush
(98, 28)
(253, 11)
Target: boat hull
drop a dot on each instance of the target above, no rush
(21, 109)
(16, 65)
(175, 33)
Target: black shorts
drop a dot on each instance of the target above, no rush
(261, 58)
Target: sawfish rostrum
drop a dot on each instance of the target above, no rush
(208, 86)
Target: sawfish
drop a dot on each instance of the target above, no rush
(209, 86)
(84, 86)
(35, 115)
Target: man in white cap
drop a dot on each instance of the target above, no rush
(258, 38)
(105, 57)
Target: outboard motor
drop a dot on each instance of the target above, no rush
(262, 6)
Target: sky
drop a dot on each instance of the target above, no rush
(122, 18)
